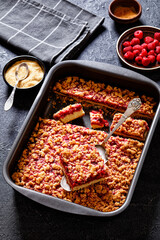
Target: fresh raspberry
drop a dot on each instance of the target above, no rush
(136, 52)
(151, 58)
(152, 52)
(138, 34)
(148, 39)
(144, 53)
(144, 45)
(156, 42)
(126, 44)
(151, 46)
(145, 61)
(158, 57)
(126, 49)
(129, 55)
(138, 60)
(137, 47)
(158, 49)
(157, 36)
(143, 50)
(135, 41)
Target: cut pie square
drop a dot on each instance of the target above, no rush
(133, 128)
(97, 120)
(69, 113)
(82, 166)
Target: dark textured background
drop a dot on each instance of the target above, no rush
(21, 218)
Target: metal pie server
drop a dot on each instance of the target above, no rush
(133, 106)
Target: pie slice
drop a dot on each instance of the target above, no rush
(82, 166)
(69, 113)
(133, 128)
(97, 120)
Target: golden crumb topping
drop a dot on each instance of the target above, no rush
(39, 166)
(82, 165)
(134, 128)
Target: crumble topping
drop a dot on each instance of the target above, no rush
(134, 128)
(82, 166)
(112, 97)
(39, 166)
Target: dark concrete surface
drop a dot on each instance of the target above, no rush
(21, 218)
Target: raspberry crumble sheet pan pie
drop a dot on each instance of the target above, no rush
(47, 148)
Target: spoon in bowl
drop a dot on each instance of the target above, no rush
(133, 106)
(9, 101)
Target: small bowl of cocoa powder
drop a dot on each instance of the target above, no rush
(125, 11)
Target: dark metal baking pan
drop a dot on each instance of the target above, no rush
(102, 72)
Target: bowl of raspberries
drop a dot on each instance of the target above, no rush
(139, 47)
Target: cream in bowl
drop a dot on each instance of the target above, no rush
(35, 75)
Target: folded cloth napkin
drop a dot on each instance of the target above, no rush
(52, 30)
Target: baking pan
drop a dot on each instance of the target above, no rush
(95, 71)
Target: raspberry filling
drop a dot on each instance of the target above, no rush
(96, 118)
(68, 110)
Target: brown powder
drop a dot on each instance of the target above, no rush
(125, 12)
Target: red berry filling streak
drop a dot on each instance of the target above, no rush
(68, 110)
(97, 120)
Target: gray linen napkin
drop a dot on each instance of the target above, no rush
(52, 30)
